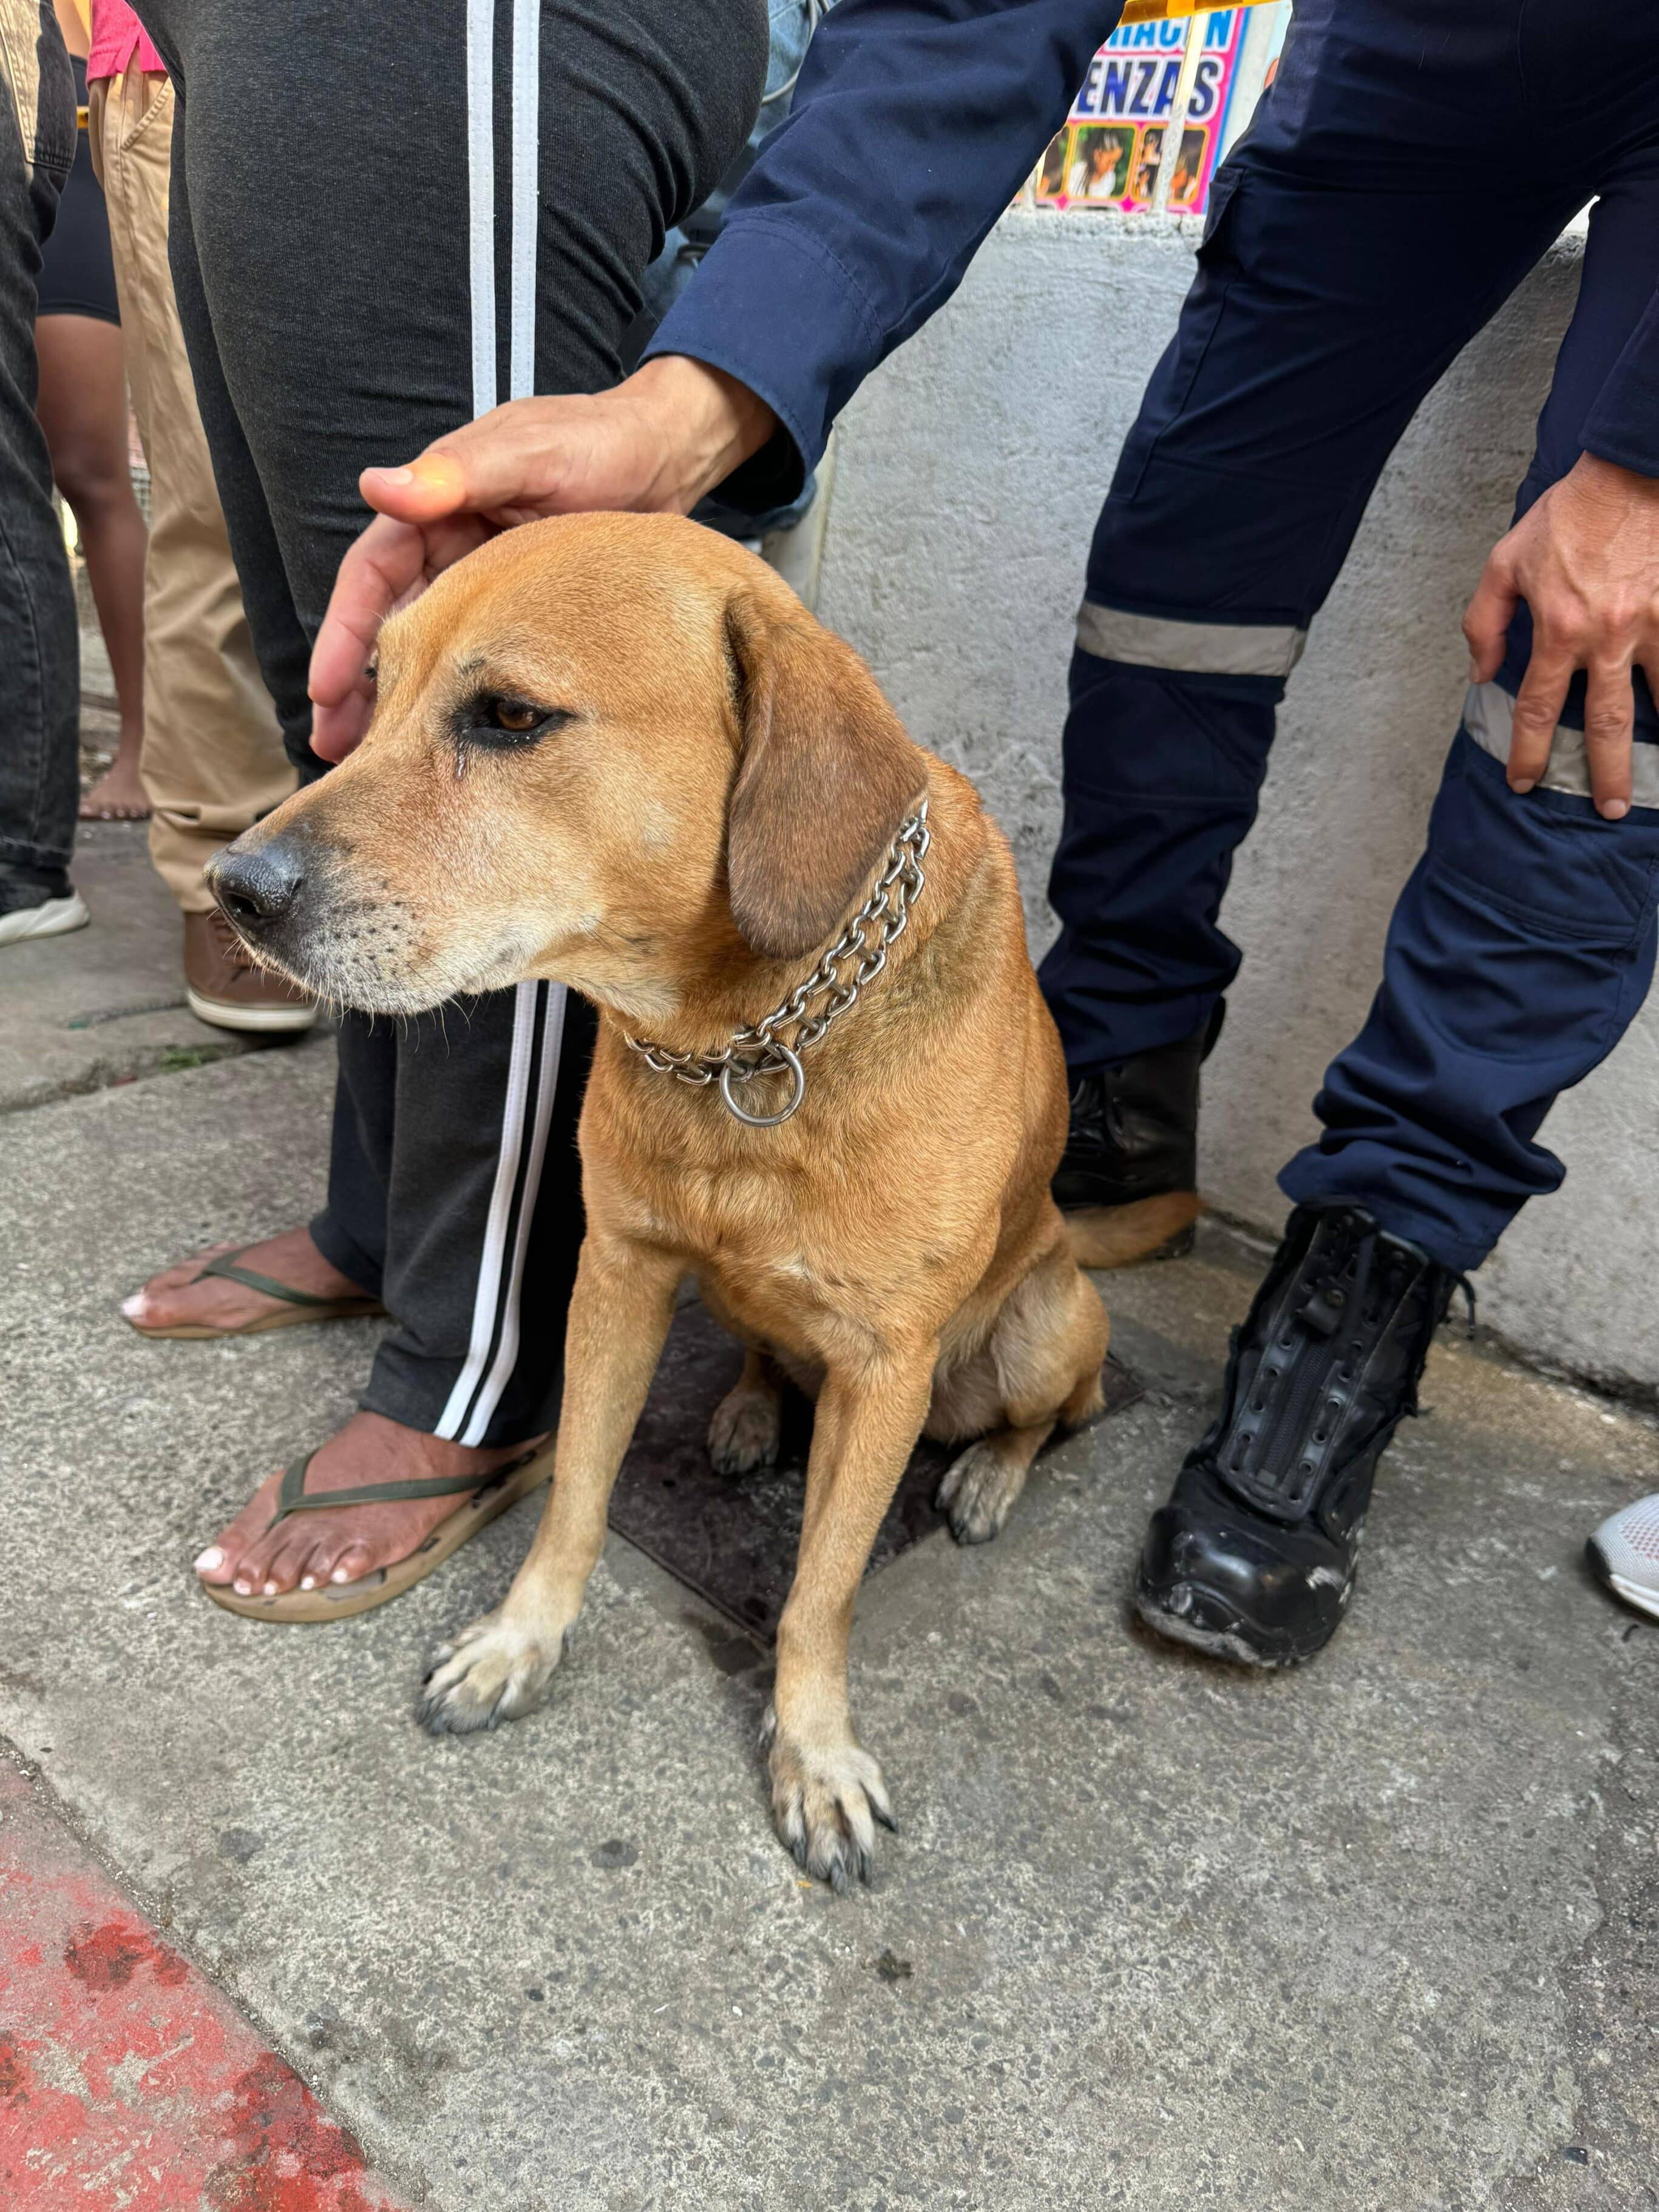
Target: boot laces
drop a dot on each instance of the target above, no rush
(1353, 1286)
(1365, 1270)
(1356, 1256)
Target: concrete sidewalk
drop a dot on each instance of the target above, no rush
(1381, 1934)
(107, 1004)
(126, 2079)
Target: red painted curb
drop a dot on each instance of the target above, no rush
(127, 2082)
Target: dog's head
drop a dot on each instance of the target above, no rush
(613, 750)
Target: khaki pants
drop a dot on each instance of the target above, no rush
(213, 760)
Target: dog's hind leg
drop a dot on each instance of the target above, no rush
(744, 1432)
(979, 1488)
(1047, 1347)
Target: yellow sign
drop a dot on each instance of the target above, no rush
(1160, 11)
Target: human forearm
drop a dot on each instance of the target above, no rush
(914, 122)
(1623, 426)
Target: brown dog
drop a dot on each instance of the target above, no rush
(615, 750)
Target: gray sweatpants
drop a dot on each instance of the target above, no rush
(386, 217)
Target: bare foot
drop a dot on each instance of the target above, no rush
(310, 1549)
(118, 795)
(174, 1299)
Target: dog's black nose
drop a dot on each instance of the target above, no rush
(259, 888)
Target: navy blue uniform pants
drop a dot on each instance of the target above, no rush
(1400, 180)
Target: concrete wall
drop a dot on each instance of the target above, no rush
(969, 474)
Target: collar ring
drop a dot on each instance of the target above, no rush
(731, 1073)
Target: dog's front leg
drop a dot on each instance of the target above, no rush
(620, 1310)
(827, 1792)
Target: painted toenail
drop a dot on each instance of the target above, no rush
(242, 1589)
(269, 1590)
(134, 1306)
(212, 1558)
(339, 1575)
(307, 1582)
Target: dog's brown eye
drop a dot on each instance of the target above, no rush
(493, 721)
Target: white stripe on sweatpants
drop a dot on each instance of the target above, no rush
(481, 196)
(526, 178)
(507, 1352)
(494, 1279)
(528, 1105)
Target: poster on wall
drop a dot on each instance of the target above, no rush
(1108, 154)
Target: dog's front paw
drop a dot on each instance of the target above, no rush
(826, 1800)
(978, 1491)
(743, 1432)
(493, 1672)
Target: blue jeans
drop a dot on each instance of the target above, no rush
(1351, 252)
(40, 641)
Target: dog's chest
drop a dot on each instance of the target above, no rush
(784, 1302)
(785, 1268)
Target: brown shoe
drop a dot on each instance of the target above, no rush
(224, 986)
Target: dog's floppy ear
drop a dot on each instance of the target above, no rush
(826, 778)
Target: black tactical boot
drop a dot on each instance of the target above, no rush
(1128, 1180)
(1252, 1558)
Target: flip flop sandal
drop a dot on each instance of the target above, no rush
(304, 1305)
(340, 1600)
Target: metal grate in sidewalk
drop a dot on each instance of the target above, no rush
(733, 1538)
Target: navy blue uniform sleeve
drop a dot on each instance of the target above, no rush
(914, 124)
(1623, 426)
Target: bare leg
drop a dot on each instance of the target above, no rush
(827, 1792)
(498, 1667)
(83, 408)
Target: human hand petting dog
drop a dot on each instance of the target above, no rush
(1585, 559)
(654, 445)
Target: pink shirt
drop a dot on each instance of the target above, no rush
(118, 42)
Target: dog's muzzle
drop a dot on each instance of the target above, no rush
(302, 906)
(261, 891)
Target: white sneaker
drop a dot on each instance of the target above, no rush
(52, 918)
(1624, 1555)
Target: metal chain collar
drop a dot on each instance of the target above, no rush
(762, 1050)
